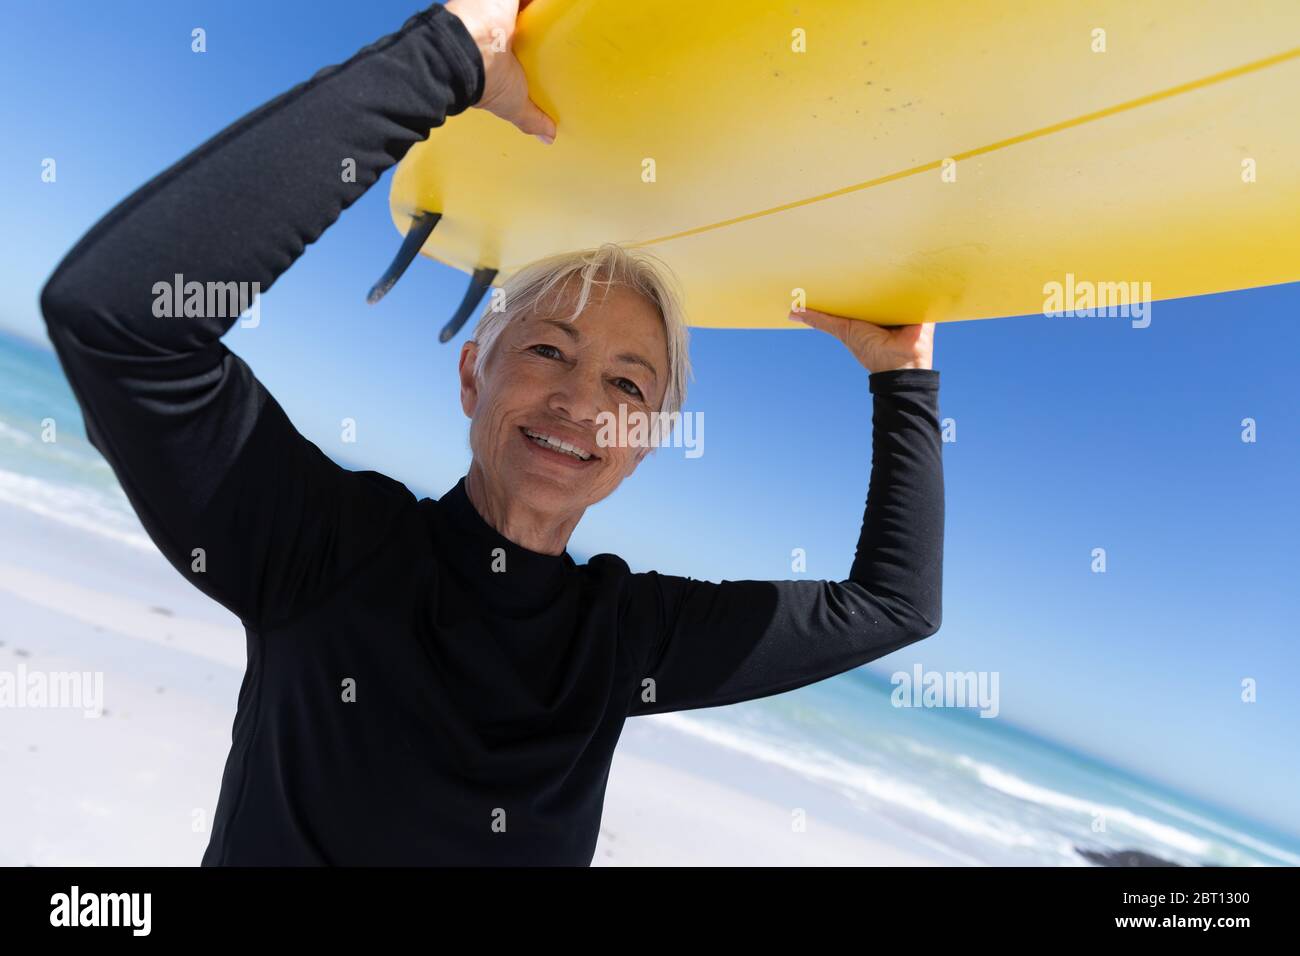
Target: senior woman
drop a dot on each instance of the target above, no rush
(437, 682)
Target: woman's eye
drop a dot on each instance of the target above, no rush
(550, 351)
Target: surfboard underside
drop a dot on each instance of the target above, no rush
(897, 161)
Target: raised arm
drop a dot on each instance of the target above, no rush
(247, 509)
(706, 644)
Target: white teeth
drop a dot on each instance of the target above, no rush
(557, 445)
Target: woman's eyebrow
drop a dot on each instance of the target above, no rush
(565, 327)
(633, 359)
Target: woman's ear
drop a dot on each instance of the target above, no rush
(468, 382)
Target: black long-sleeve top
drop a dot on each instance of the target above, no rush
(403, 703)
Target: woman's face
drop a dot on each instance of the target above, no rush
(548, 378)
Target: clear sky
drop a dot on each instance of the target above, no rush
(1072, 434)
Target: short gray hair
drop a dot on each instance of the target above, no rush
(605, 265)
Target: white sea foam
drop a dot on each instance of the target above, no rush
(1266, 849)
(74, 451)
(856, 780)
(15, 435)
(77, 507)
(1016, 787)
(1021, 789)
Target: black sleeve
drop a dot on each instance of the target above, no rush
(246, 508)
(707, 644)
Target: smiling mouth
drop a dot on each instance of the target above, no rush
(551, 443)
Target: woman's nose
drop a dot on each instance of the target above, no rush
(578, 396)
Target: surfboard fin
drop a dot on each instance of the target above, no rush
(421, 228)
(478, 286)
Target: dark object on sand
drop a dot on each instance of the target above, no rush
(1122, 858)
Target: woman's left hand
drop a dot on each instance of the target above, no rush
(879, 348)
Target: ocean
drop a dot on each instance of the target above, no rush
(65, 480)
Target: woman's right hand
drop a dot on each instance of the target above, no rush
(505, 89)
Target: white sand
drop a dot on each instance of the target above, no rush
(658, 815)
(138, 785)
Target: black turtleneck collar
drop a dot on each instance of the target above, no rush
(530, 578)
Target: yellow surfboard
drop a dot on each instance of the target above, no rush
(896, 160)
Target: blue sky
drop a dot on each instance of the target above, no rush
(1072, 434)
